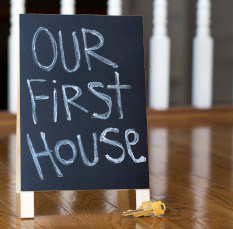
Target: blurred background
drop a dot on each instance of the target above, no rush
(177, 16)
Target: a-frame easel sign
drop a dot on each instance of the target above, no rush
(82, 105)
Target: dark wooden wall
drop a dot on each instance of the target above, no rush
(181, 29)
(222, 31)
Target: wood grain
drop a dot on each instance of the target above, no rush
(191, 171)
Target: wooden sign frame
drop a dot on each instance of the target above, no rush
(27, 198)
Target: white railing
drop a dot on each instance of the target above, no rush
(16, 7)
(202, 58)
(67, 7)
(159, 58)
(159, 78)
(114, 7)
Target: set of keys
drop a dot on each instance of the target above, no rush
(148, 208)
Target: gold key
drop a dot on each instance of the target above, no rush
(132, 212)
(147, 209)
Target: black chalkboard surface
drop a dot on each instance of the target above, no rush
(82, 103)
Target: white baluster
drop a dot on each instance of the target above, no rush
(202, 58)
(159, 58)
(16, 7)
(67, 7)
(114, 7)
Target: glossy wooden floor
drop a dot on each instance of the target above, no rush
(191, 170)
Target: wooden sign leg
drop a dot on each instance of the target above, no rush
(142, 195)
(27, 204)
(26, 198)
(18, 161)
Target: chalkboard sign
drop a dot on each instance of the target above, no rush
(82, 103)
